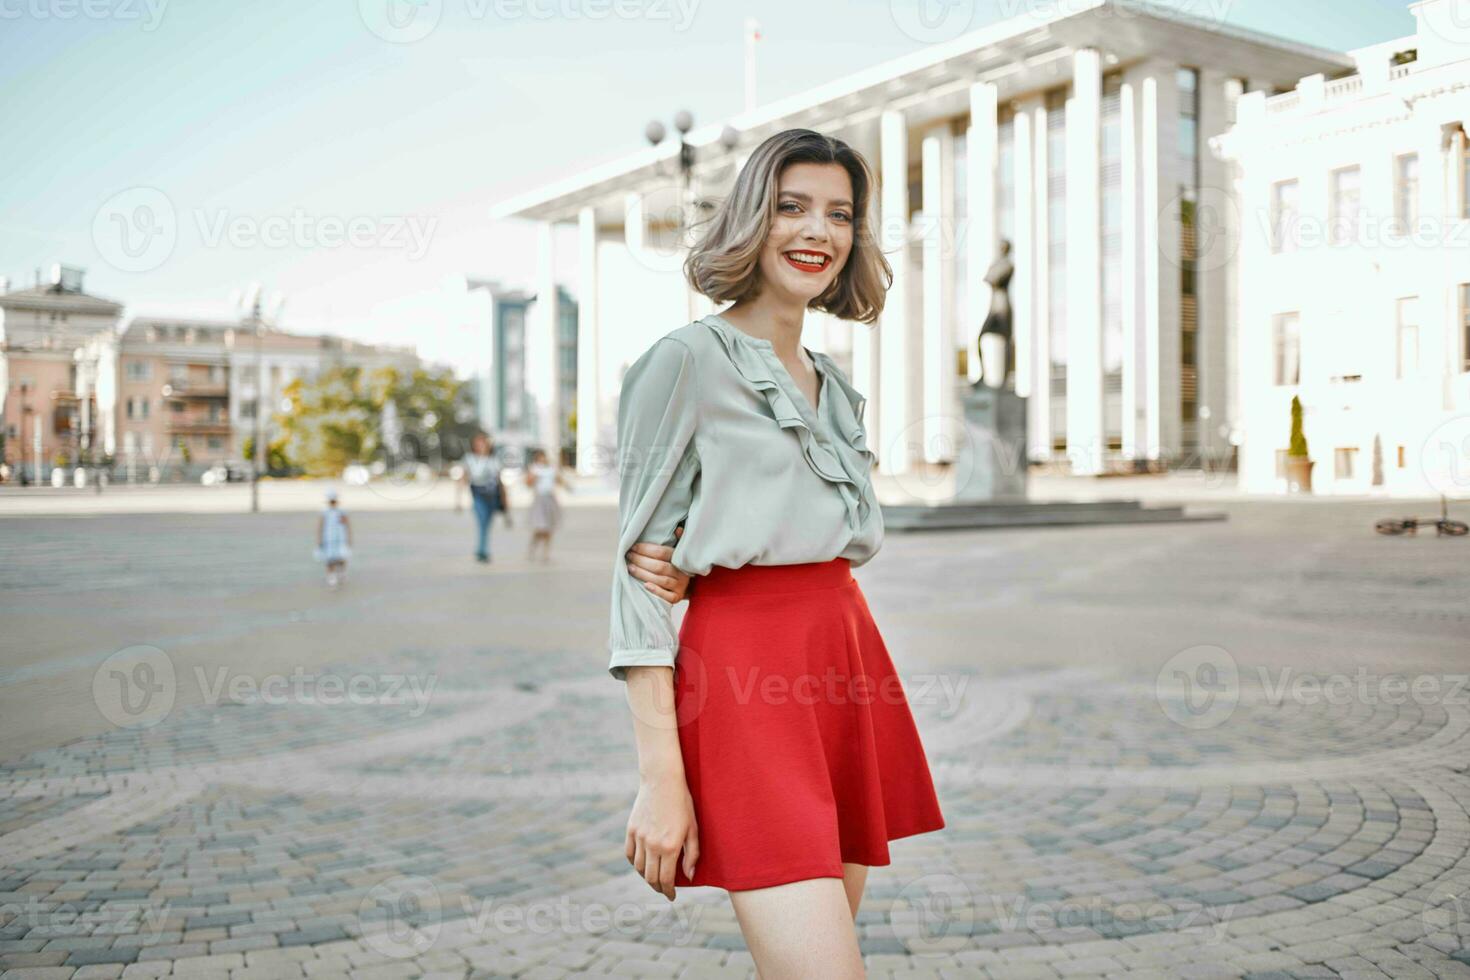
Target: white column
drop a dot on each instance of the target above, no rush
(1263, 417)
(865, 336)
(1132, 270)
(893, 420)
(1085, 445)
(865, 343)
(1150, 177)
(588, 345)
(1038, 422)
(546, 342)
(937, 387)
(1023, 254)
(982, 156)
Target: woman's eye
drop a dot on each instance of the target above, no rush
(841, 216)
(790, 205)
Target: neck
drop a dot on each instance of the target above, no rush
(772, 318)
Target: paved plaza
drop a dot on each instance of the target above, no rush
(1234, 749)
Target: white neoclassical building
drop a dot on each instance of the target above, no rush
(1354, 265)
(1079, 135)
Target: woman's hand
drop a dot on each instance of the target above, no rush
(662, 825)
(649, 563)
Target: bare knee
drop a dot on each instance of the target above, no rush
(800, 929)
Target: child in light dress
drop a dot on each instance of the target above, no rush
(543, 478)
(333, 541)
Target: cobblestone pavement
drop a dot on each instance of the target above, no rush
(1235, 750)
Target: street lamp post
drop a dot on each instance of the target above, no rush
(684, 177)
(250, 308)
(252, 313)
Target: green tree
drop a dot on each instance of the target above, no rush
(1298, 438)
(276, 460)
(343, 416)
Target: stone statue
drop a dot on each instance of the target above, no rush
(995, 336)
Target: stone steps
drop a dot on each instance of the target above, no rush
(926, 517)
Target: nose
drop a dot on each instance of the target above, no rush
(814, 228)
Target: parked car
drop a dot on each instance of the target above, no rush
(356, 475)
(230, 472)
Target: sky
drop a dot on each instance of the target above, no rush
(347, 160)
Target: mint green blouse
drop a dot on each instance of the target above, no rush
(713, 433)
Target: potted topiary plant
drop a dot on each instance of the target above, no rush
(1298, 463)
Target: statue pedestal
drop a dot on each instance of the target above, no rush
(991, 462)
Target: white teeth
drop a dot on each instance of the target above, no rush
(811, 258)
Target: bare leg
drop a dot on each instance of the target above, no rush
(800, 930)
(854, 877)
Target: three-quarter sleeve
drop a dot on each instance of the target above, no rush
(657, 466)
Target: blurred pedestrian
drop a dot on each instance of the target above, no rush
(333, 541)
(542, 477)
(487, 490)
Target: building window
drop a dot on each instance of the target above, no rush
(1286, 331)
(1407, 334)
(1464, 175)
(1285, 210)
(1465, 327)
(247, 408)
(138, 370)
(1056, 268)
(1406, 191)
(1344, 462)
(214, 442)
(1189, 345)
(1347, 196)
(1403, 458)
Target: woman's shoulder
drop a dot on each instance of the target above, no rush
(679, 351)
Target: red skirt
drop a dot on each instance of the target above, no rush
(799, 747)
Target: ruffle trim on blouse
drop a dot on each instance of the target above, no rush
(758, 364)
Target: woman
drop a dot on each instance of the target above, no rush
(777, 753)
(487, 489)
(543, 479)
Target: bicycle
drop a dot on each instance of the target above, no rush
(1443, 526)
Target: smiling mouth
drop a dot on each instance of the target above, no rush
(807, 261)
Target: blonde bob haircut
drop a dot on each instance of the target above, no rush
(724, 263)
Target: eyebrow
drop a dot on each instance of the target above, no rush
(807, 198)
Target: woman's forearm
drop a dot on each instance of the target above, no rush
(655, 722)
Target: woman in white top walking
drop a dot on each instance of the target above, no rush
(543, 478)
(482, 474)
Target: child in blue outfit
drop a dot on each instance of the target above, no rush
(333, 541)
